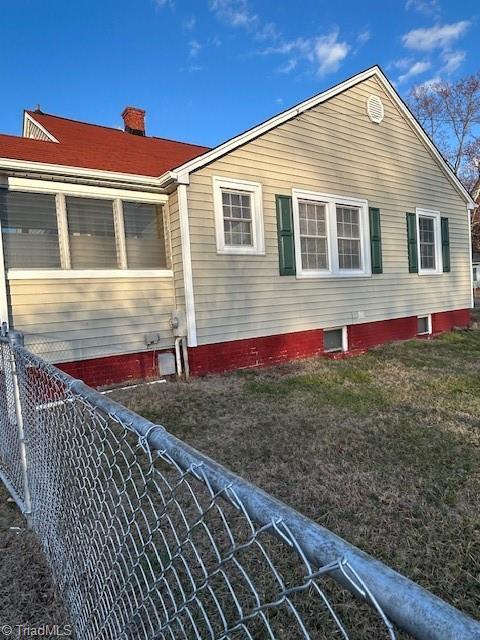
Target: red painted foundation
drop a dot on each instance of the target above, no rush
(270, 350)
(100, 372)
(258, 352)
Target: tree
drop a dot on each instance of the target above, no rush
(450, 114)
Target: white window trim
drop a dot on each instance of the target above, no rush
(344, 329)
(66, 272)
(429, 325)
(84, 191)
(331, 201)
(430, 213)
(70, 274)
(120, 240)
(62, 229)
(258, 240)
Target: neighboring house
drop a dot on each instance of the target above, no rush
(476, 269)
(476, 239)
(332, 227)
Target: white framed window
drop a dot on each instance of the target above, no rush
(29, 230)
(238, 216)
(331, 235)
(335, 340)
(429, 243)
(424, 325)
(50, 234)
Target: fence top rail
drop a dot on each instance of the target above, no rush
(410, 606)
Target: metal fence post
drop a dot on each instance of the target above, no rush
(15, 339)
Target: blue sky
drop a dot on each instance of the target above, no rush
(205, 70)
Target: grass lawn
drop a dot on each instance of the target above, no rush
(27, 594)
(382, 449)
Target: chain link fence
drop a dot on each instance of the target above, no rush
(149, 539)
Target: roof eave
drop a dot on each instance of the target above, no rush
(53, 170)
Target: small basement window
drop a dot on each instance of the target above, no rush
(424, 325)
(335, 340)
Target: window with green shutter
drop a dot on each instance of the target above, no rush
(375, 240)
(286, 243)
(412, 242)
(445, 244)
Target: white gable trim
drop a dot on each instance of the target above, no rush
(28, 118)
(180, 175)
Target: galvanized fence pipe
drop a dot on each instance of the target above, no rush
(410, 606)
(16, 340)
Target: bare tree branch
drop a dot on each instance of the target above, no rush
(450, 114)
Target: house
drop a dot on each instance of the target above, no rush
(330, 228)
(476, 241)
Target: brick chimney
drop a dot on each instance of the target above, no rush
(134, 120)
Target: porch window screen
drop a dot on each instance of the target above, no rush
(29, 230)
(144, 235)
(91, 233)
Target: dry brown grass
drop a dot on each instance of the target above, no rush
(27, 596)
(382, 449)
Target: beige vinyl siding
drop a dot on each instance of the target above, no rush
(75, 319)
(176, 249)
(332, 148)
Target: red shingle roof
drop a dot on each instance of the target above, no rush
(95, 147)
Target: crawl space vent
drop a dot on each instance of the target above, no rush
(375, 109)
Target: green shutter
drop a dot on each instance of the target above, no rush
(286, 244)
(412, 242)
(445, 244)
(375, 240)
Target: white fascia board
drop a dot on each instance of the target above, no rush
(28, 117)
(77, 172)
(228, 146)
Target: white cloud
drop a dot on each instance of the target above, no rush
(268, 31)
(437, 37)
(329, 53)
(416, 69)
(189, 23)
(452, 60)
(363, 37)
(402, 63)
(288, 66)
(193, 48)
(162, 4)
(236, 13)
(325, 53)
(428, 7)
(428, 84)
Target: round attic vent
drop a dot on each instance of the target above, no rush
(375, 109)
